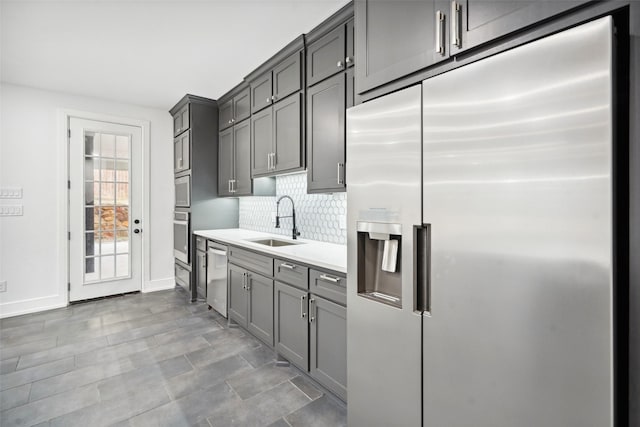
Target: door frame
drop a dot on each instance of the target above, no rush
(64, 117)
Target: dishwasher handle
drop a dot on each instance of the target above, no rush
(217, 252)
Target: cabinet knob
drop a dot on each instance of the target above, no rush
(268, 100)
(233, 120)
(339, 64)
(273, 97)
(348, 60)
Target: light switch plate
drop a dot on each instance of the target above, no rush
(10, 210)
(11, 193)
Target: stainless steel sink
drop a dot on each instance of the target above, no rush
(275, 242)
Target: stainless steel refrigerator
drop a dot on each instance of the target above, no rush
(480, 270)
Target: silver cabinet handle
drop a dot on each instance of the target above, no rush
(329, 278)
(439, 32)
(244, 281)
(302, 304)
(312, 316)
(229, 185)
(339, 64)
(348, 60)
(340, 173)
(268, 161)
(455, 24)
(288, 266)
(248, 282)
(274, 160)
(234, 187)
(180, 162)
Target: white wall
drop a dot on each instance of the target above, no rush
(32, 258)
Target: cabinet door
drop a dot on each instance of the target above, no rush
(181, 120)
(287, 76)
(237, 294)
(225, 114)
(261, 142)
(242, 106)
(287, 133)
(181, 153)
(326, 56)
(291, 325)
(393, 39)
(225, 162)
(326, 135)
(186, 150)
(484, 20)
(328, 344)
(242, 159)
(201, 274)
(261, 93)
(260, 313)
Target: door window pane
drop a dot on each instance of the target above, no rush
(107, 171)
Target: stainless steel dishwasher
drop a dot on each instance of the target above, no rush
(217, 277)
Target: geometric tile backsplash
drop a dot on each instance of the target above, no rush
(317, 215)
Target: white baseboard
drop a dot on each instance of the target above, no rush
(159, 285)
(16, 308)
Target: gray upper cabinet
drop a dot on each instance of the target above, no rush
(261, 93)
(327, 56)
(276, 138)
(225, 162)
(287, 134)
(328, 361)
(234, 173)
(393, 39)
(235, 106)
(287, 77)
(181, 120)
(291, 324)
(326, 106)
(260, 307)
(474, 22)
(261, 142)
(181, 152)
(225, 114)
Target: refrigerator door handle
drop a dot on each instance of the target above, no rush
(421, 268)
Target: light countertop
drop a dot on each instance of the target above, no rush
(312, 252)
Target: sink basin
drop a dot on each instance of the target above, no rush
(275, 242)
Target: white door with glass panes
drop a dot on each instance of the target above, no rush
(105, 208)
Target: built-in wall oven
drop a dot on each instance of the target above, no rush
(181, 238)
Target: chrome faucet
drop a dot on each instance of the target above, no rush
(295, 231)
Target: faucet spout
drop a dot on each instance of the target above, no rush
(295, 233)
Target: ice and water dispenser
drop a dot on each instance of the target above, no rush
(379, 262)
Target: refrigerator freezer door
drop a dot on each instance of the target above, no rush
(518, 191)
(383, 348)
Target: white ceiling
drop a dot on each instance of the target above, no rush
(147, 52)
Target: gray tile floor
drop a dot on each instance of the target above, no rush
(148, 360)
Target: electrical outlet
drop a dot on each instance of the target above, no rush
(10, 210)
(342, 219)
(3, 286)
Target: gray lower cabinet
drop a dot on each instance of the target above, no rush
(328, 347)
(326, 110)
(291, 324)
(251, 302)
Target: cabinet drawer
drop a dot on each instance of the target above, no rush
(252, 261)
(293, 274)
(201, 243)
(328, 285)
(183, 277)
